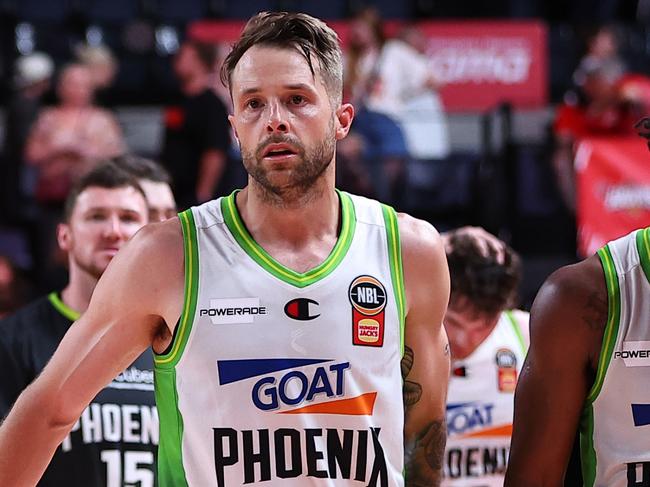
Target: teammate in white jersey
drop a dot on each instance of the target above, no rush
(285, 78)
(488, 344)
(587, 369)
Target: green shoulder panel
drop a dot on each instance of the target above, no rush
(396, 270)
(184, 325)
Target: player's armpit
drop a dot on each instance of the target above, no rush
(425, 364)
(567, 322)
(124, 317)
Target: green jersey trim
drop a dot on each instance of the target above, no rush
(396, 270)
(63, 308)
(643, 247)
(517, 330)
(587, 451)
(171, 472)
(263, 259)
(191, 250)
(613, 318)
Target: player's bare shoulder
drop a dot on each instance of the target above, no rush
(572, 305)
(418, 237)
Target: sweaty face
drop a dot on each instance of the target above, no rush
(283, 119)
(102, 221)
(159, 199)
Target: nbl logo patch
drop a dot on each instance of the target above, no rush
(368, 298)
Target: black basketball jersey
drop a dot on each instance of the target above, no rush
(114, 442)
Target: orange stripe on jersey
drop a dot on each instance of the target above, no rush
(504, 430)
(362, 405)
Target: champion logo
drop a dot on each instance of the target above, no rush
(302, 309)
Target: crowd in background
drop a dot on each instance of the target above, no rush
(60, 122)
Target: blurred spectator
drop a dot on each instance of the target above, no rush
(103, 68)
(197, 133)
(32, 76)
(68, 139)
(13, 287)
(602, 50)
(366, 40)
(488, 342)
(373, 156)
(155, 181)
(406, 90)
(603, 107)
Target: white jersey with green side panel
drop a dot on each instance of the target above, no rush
(280, 378)
(615, 425)
(480, 407)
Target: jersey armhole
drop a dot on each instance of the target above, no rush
(396, 271)
(174, 351)
(613, 317)
(517, 329)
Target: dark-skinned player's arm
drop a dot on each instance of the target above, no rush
(425, 366)
(131, 303)
(566, 327)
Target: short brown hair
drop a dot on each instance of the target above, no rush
(310, 36)
(487, 285)
(143, 168)
(105, 175)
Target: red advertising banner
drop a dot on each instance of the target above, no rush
(480, 64)
(613, 189)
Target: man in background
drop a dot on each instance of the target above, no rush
(115, 440)
(155, 181)
(197, 135)
(488, 342)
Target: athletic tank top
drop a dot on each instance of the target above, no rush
(480, 405)
(282, 378)
(615, 425)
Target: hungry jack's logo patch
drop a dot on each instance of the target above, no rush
(368, 299)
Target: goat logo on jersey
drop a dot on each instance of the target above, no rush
(304, 386)
(368, 298)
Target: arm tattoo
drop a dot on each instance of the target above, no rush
(412, 391)
(424, 458)
(595, 311)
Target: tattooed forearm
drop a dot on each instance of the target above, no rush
(412, 391)
(424, 458)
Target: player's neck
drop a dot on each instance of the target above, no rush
(76, 295)
(314, 216)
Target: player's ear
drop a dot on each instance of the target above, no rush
(231, 119)
(344, 115)
(64, 236)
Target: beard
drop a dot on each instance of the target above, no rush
(294, 183)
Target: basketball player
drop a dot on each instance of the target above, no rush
(587, 369)
(155, 181)
(114, 441)
(279, 315)
(488, 344)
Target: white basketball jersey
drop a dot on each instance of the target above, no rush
(480, 407)
(615, 426)
(279, 378)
